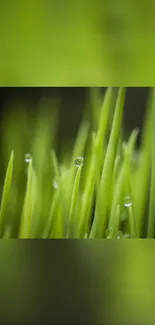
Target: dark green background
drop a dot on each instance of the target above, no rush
(72, 104)
(77, 282)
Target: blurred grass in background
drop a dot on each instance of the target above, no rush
(77, 43)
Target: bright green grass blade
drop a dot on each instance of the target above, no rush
(99, 141)
(117, 163)
(54, 227)
(87, 197)
(41, 144)
(26, 217)
(67, 181)
(123, 180)
(95, 163)
(100, 219)
(97, 170)
(128, 182)
(55, 164)
(52, 215)
(41, 152)
(132, 222)
(78, 151)
(81, 141)
(57, 230)
(117, 166)
(72, 222)
(140, 186)
(114, 221)
(116, 169)
(151, 222)
(103, 125)
(112, 232)
(35, 198)
(129, 150)
(6, 192)
(67, 178)
(62, 191)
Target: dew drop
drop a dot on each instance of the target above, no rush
(127, 236)
(79, 161)
(109, 232)
(119, 235)
(127, 201)
(55, 184)
(28, 158)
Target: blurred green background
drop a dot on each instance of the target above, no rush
(77, 43)
(71, 103)
(77, 282)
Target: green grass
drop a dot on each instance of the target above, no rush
(98, 190)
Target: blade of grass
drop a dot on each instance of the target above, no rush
(78, 150)
(72, 222)
(61, 188)
(26, 217)
(114, 221)
(108, 102)
(6, 192)
(97, 171)
(100, 219)
(132, 222)
(140, 186)
(123, 180)
(128, 182)
(52, 216)
(151, 222)
(116, 169)
(57, 230)
(81, 141)
(94, 163)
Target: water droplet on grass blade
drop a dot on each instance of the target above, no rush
(79, 161)
(127, 236)
(127, 201)
(119, 235)
(108, 232)
(28, 158)
(55, 184)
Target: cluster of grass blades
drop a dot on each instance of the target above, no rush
(105, 190)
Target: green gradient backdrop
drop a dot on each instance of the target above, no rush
(77, 43)
(77, 282)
